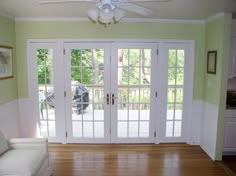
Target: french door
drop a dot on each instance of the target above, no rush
(87, 85)
(111, 92)
(117, 81)
(45, 90)
(133, 92)
(175, 91)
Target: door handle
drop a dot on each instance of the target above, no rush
(113, 99)
(108, 99)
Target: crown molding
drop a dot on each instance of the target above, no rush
(162, 20)
(134, 20)
(214, 17)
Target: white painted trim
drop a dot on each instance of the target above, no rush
(131, 20)
(163, 20)
(209, 128)
(113, 40)
(210, 154)
(214, 17)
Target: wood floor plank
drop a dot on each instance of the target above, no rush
(132, 160)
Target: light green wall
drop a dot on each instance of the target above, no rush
(214, 41)
(8, 87)
(217, 38)
(88, 30)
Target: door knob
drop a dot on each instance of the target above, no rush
(108, 99)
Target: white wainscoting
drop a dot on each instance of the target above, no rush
(209, 129)
(195, 122)
(28, 122)
(9, 119)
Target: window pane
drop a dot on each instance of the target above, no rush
(123, 75)
(77, 128)
(144, 95)
(88, 129)
(180, 58)
(171, 76)
(144, 129)
(179, 95)
(172, 58)
(169, 128)
(177, 131)
(144, 112)
(170, 111)
(133, 111)
(146, 59)
(123, 113)
(171, 95)
(145, 75)
(180, 76)
(122, 95)
(134, 95)
(133, 129)
(178, 111)
(122, 129)
(99, 129)
(134, 75)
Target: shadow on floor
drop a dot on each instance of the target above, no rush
(230, 161)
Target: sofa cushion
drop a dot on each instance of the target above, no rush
(3, 144)
(22, 162)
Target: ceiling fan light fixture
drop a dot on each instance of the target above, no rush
(94, 14)
(106, 17)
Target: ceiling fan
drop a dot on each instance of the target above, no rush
(107, 11)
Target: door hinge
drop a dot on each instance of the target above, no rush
(66, 134)
(155, 134)
(157, 51)
(110, 59)
(110, 130)
(64, 51)
(156, 94)
(64, 93)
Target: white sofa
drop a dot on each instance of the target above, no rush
(24, 157)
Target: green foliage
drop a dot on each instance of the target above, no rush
(44, 66)
(176, 70)
(84, 62)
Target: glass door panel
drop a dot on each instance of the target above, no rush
(175, 90)
(46, 94)
(131, 83)
(86, 97)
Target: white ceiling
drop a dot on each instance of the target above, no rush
(173, 9)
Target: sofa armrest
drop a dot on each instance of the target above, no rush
(28, 143)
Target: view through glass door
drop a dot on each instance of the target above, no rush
(133, 92)
(46, 90)
(109, 94)
(87, 86)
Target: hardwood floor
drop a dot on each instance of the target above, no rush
(132, 160)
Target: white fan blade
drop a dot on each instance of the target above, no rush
(136, 9)
(63, 1)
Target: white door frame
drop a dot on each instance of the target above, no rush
(162, 88)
